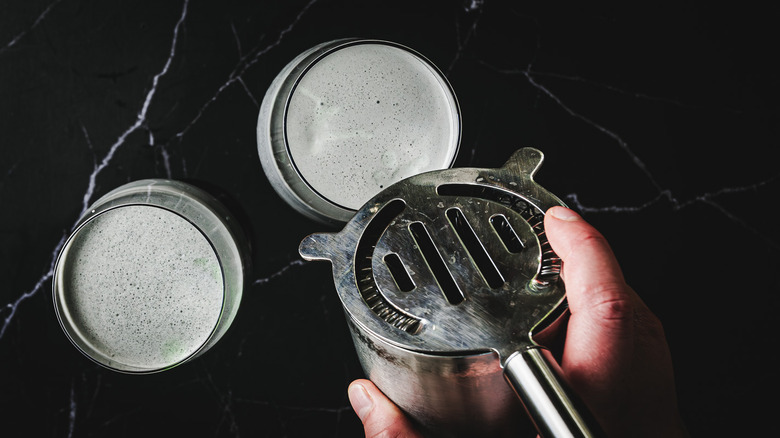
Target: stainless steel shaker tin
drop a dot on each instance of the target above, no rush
(458, 395)
(151, 278)
(349, 117)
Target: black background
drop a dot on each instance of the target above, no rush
(659, 125)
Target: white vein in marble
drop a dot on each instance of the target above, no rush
(99, 167)
(245, 62)
(15, 40)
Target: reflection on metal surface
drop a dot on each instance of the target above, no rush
(506, 233)
(475, 248)
(399, 273)
(435, 263)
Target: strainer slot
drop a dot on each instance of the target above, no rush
(364, 272)
(475, 248)
(436, 263)
(398, 272)
(549, 264)
(506, 233)
(511, 200)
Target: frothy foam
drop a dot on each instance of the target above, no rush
(144, 287)
(366, 116)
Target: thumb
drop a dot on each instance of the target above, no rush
(600, 334)
(380, 417)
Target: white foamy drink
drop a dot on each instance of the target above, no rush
(144, 287)
(366, 116)
(348, 118)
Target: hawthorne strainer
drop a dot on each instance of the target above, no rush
(456, 263)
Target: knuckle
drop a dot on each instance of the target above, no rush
(614, 309)
(611, 302)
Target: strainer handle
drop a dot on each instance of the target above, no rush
(552, 406)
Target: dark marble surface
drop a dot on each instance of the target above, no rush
(660, 125)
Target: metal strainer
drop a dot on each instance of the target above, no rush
(456, 262)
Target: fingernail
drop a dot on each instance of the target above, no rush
(361, 401)
(563, 214)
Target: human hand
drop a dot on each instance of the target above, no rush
(615, 354)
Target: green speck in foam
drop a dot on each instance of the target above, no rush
(211, 268)
(172, 350)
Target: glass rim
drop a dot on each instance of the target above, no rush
(74, 331)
